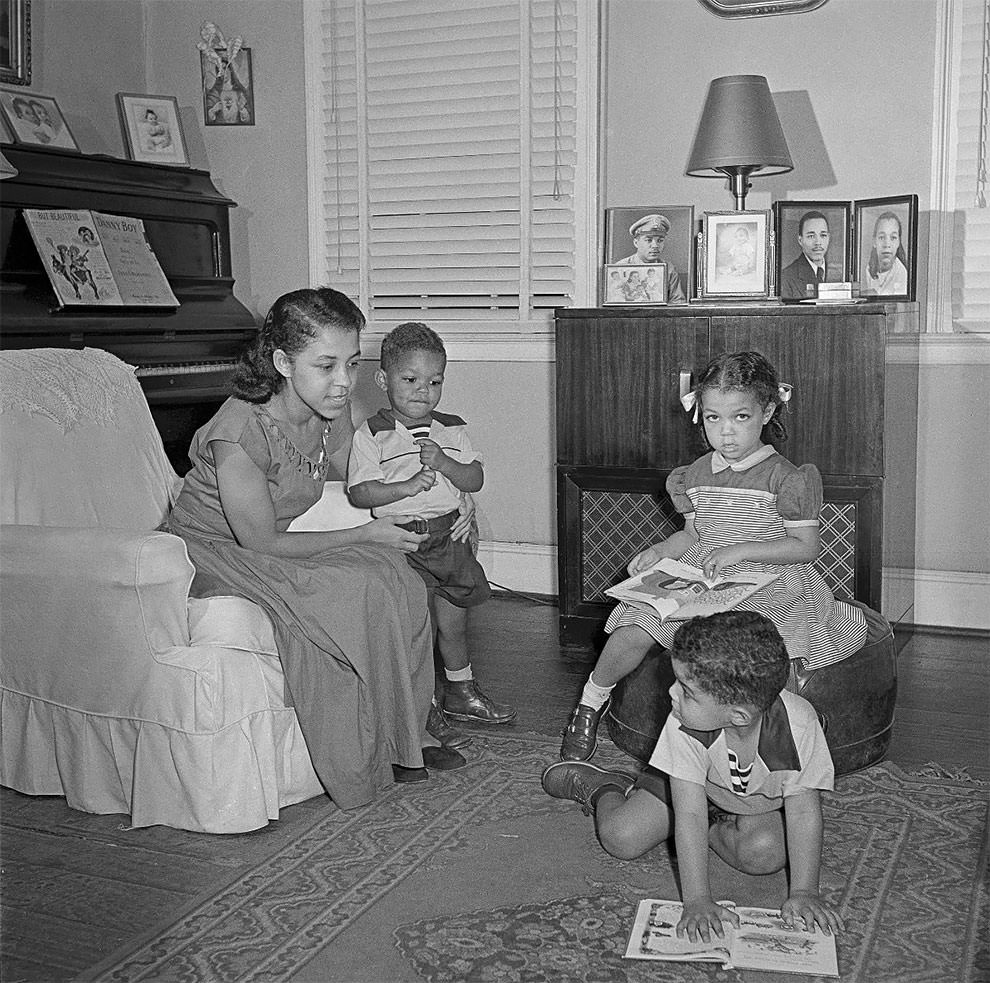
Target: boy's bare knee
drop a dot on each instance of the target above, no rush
(761, 853)
(618, 840)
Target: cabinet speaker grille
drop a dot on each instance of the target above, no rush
(617, 525)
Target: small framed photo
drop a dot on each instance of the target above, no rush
(635, 286)
(36, 120)
(647, 235)
(152, 130)
(735, 255)
(15, 42)
(814, 245)
(228, 87)
(887, 246)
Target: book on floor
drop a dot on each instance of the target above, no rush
(762, 941)
(671, 589)
(96, 259)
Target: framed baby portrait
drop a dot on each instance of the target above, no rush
(735, 255)
(643, 235)
(887, 247)
(814, 245)
(152, 131)
(36, 120)
(635, 286)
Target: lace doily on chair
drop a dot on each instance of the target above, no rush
(66, 386)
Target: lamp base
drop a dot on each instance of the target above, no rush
(739, 183)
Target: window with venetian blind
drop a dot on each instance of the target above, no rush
(970, 282)
(443, 151)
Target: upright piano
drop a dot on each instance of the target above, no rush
(183, 356)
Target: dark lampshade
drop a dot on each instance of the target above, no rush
(739, 134)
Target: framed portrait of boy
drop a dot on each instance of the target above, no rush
(735, 255)
(152, 130)
(648, 235)
(813, 245)
(887, 247)
(35, 120)
(634, 285)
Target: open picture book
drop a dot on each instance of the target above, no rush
(671, 589)
(762, 941)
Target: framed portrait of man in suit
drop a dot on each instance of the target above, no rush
(814, 245)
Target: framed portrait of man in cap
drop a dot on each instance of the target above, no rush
(645, 235)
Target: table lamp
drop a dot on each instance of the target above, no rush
(739, 135)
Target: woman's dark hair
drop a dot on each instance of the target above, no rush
(291, 324)
(746, 372)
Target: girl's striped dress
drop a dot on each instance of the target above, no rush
(757, 499)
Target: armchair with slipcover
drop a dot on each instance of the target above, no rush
(117, 689)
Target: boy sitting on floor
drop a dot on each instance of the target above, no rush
(740, 765)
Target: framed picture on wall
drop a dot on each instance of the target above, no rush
(36, 120)
(152, 130)
(650, 234)
(635, 286)
(15, 42)
(228, 86)
(887, 246)
(814, 245)
(735, 255)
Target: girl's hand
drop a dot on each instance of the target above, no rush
(431, 454)
(804, 909)
(721, 558)
(420, 482)
(704, 918)
(463, 527)
(645, 560)
(386, 532)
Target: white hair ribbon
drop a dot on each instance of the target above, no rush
(784, 391)
(690, 402)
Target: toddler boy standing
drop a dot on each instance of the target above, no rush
(408, 459)
(738, 768)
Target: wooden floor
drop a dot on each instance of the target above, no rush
(942, 717)
(943, 695)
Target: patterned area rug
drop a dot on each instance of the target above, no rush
(487, 878)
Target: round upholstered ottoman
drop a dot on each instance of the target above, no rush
(855, 698)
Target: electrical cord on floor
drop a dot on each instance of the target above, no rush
(527, 597)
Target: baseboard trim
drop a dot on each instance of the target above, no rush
(935, 598)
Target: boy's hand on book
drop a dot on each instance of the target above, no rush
(804, 909)
(703, 919)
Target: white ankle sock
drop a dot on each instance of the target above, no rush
(459, 675)
(594, 695)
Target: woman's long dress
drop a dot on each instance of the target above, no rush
(351, 624)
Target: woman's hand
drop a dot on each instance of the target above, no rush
(386, 532)
(704, 918)
(805, 909)
(463, 527)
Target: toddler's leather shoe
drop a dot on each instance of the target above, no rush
(581, 736)
(438, 726)
(465, 701)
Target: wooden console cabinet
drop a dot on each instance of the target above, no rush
(621, 429)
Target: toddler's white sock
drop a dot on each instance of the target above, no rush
(459, 675)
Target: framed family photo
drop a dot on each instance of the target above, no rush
(635, 286)
(813, 245)
(735, 255)
(35, 120)
(152, 130)
(648, 235)
(887, 246)
(228, 86)
(15, 42)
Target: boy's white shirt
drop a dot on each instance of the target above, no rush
(401, 454)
